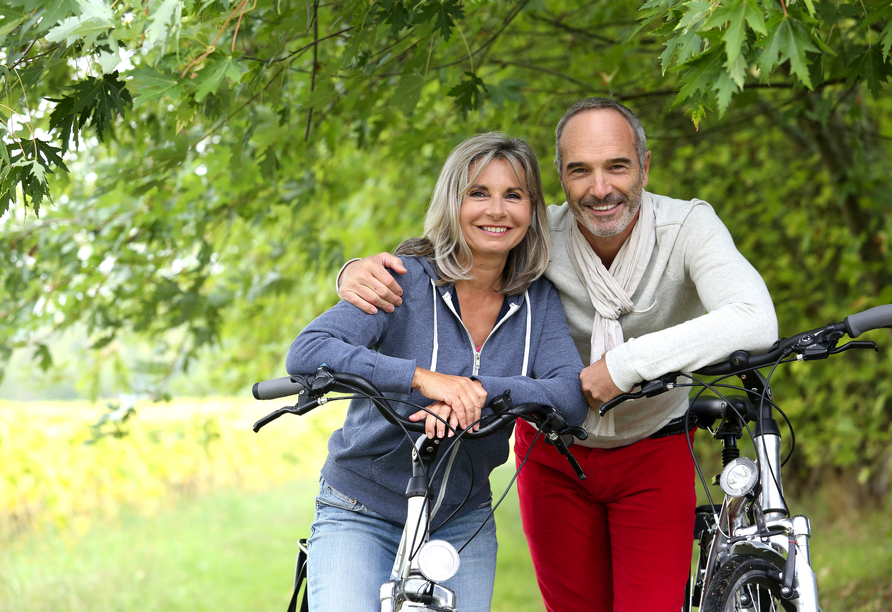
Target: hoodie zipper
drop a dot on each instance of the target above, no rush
(512, 308)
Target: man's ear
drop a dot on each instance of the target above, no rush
(645, 170)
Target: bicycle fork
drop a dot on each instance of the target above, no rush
(759, 526)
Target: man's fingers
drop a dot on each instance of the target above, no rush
(363, 298)
(391, 261)
(386, 288)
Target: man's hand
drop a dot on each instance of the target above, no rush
(597, 385)
(366, 283)
(465, 397)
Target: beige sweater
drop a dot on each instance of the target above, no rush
(698, 301)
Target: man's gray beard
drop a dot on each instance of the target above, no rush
(629, 212)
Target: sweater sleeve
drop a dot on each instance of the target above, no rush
(554, 379)
(342, 337)
(739, 312)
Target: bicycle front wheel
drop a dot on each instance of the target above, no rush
(746, 583)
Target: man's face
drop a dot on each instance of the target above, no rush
(601, 176)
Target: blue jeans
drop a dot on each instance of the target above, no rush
(352, 548)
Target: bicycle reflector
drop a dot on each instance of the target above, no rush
(438, 560)
(739, 477)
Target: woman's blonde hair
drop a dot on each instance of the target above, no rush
(443, 242)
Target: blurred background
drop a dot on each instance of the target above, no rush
(180, 181)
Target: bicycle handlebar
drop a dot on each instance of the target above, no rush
(814, 344)
(343, 382)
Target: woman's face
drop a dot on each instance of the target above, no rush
(496, 211)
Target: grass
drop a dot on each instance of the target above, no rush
(234, 550)
(230, 545)
(227, 550)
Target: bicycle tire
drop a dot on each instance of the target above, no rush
(746, 583)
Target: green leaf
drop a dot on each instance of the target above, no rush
(469, 93)
(96, 19)
(507, 90)
(396, 14)
(408, 91)
(870, 66)
(32, 178)
(154, 84)
(699, 75)
(444, 14)
(787, 40)
(886, 39)
(683, 46)
(54, 11)
(695, 15)
(211, 76)
(726, 85)
(93, 100)
(43, 357)
(737, 15)
(160, 21)
(809, 5)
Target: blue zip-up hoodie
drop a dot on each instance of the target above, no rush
(529, 352)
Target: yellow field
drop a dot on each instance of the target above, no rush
(53, 474)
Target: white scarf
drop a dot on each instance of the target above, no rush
(611, 291)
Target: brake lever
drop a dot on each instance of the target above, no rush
(855, 344)
(560, 435)
(648, 389)
(303, 406)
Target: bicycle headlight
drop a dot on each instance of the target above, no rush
(438, 560)
(739, 477)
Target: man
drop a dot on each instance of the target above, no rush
(650, 285)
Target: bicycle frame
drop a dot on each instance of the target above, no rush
(408, 588)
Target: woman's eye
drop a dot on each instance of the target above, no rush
(477, 194)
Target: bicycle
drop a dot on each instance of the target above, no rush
(754, 556)
(421, 563)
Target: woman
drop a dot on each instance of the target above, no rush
(477, 320)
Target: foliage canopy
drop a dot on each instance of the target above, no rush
(194, 170)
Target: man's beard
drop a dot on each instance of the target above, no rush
(614, 226)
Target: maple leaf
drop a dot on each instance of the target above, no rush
(444, 14)
(468, 93)
(787, 40)
(93, 100)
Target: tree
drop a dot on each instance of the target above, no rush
(195, 170)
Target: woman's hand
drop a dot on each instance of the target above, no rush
(434, 427)
(465, 397)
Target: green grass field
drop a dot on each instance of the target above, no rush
(228, 543)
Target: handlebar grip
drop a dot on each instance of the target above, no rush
(875, 318)
(276, 388)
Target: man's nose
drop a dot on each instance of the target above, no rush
(600, 186)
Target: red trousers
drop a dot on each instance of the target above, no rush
(620, 540)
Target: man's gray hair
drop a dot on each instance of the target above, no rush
(443, 242)
(596, 103)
